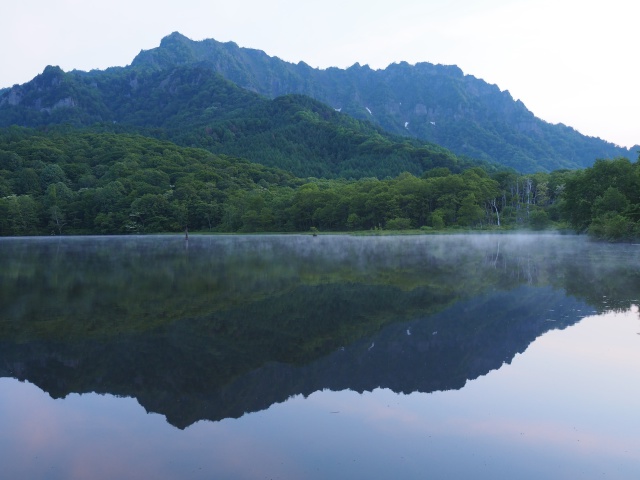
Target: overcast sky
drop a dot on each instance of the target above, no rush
(570, 61)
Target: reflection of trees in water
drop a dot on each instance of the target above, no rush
(103, 286)
(143, 317)
(521, 267)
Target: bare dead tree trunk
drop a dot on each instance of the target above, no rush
(494, 204)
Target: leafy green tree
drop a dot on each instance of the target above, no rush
(539, 220)
(353, 221)
(27, 182)
(57, 219)
(52, 173)
(437, 220)
(22, 215)
(612, 200)
(612, 227)
(469, 213)
(398, 224)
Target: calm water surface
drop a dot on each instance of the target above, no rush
(511, 356)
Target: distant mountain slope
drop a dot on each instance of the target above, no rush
(431, 102)
(192, 91)
(193, 106)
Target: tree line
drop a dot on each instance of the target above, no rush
(104, 183)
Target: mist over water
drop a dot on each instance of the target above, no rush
(289, 342)
(207, 271)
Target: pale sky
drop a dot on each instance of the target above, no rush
(570, 61)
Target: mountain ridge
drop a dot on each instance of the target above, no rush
(194, 106)
(514, 136)
(437, 104)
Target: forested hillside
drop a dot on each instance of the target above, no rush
(70, 182)
(104, 183)
(192, 106)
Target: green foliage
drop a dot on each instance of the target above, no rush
(398, 224)
(469, 213)
(539, 220)
(189, 92)
(612, 227)
(70, 182)
(434, 103)
(437, 221)
(106, 183)
(195, 107)
(19, 215)
(604, 200)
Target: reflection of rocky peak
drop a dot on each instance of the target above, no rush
(171, 371)
(441, 352)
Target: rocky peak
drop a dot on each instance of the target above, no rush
(52, 76)
(175, 49)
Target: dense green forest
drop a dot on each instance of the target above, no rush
(194, 107)
(72, 182)
(604, 200)
(68, 181)
(107, 183)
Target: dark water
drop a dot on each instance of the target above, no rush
(512, 356)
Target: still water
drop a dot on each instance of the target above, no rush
(295, 357)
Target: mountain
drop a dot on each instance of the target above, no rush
(180, 87)
(193, 106)
(436, 103)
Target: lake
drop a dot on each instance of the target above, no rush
(301, 357)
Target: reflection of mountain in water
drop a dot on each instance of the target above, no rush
(172, 371)
(441, 352)
(287, 320)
